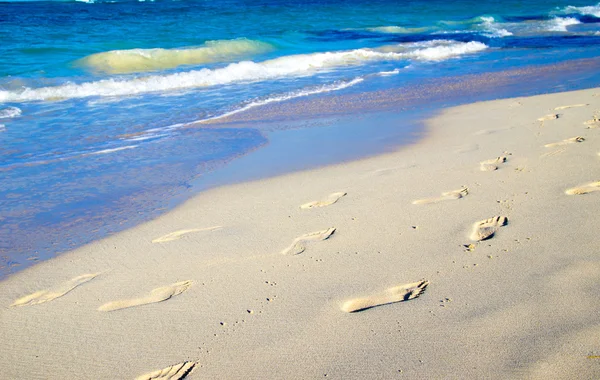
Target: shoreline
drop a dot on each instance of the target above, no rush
(123, 210)
(233, 303)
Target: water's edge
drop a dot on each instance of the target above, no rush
(330, 129)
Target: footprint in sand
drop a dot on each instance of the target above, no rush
(552, 116)
(584, 189)
(571, 106)
(178, 234)
(572, 140)
(554, 152)
(55, 292)
(396, 294)
(174, 372)
(492, 164)
(331, 199)
(485, 229)
(593, 123)
(447, 196)
(156, 295)
(298, 246)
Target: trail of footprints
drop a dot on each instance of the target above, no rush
(481, 230)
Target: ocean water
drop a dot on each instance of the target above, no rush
(110, 110)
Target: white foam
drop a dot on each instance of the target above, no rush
(147, 137)
(439, 53)
(397, 30)
(112, 150)
(388, 73)
(560, 24)
(10, 112)
(2, 127)
(292, 95)
(592, 10)
(248, 71)
(160, 132)
(493, 29)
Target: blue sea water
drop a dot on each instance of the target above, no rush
(102, 102)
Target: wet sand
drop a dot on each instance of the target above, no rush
(470, 254)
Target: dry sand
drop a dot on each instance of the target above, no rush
(497, 278)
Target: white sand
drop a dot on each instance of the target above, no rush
(523, 303)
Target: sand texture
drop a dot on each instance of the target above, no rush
(504, 230)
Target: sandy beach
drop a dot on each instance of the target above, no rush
(473, 253)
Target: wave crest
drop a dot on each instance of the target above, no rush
(140, 60)
(559, 24)
(397, 30)
(248, 71)
(592, 10)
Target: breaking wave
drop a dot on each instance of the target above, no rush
(248, 71)
(592, 10)
(560, 24)
(397, 30)
(139, 60)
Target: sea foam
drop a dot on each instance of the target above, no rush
(397, 30)
(592, 10)
(291, 95)
(139, 60)
(155, 133)
(10, 112)
(248, 71)
(494, 29)
(560, 24)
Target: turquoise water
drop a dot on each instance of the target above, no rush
(100, 101)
